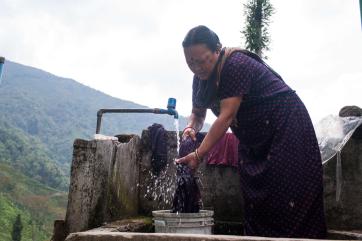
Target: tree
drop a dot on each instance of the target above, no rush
(17, 228)
(256, 34)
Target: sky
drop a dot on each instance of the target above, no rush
(132, 49)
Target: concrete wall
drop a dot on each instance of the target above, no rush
(113, 180)
(88, 188)
(220, 185)
(347, 213)
(103, 185)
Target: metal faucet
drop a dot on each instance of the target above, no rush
(2, 60)
(171, 110)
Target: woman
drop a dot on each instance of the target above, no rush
(280, 163)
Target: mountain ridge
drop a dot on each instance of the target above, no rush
(41, 115)
(51, 103)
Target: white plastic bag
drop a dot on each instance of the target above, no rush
(333, 132)
(103, 137)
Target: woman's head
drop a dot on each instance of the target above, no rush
(201, 48)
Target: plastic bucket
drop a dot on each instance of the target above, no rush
(195, 223)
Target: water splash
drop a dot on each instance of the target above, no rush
(161, 187)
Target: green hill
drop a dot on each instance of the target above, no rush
(28, 155)
(37, 204)
(41, 115)
(57, 110)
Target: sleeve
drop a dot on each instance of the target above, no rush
(236, 76)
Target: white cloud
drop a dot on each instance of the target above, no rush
(132, 49)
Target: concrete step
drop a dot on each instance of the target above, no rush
(120, 236)
(345, 235)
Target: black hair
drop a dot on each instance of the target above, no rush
(202, 35)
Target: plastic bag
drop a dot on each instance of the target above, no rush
(333, 132)
(103, 137)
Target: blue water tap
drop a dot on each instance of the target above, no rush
(2, 60)
(171, 107)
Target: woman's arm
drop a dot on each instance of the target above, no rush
(197, 118)
(228, 109)
(196, 121)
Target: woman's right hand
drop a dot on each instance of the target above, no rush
(189, 131)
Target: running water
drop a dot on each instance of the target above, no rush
(176, 123)
(181, 189)
(187, 196)
(161, 186)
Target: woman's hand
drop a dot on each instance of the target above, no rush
(189, 131)
(190, 160)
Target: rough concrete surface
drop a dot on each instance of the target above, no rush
(88, 187)
(220, 189)
(113, 180)
(114, 236)
(347, 213)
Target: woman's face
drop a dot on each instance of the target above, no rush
(201, 60)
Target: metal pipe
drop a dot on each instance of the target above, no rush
(170, 111)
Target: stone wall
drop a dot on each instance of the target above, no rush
(114, 180)
(220, 184)
(103, 185)
(346, 214)
(88, 188)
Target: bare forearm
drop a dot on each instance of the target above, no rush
(217, 130)
(196, 122)
(197, 119)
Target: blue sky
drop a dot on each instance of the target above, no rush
(132, 49)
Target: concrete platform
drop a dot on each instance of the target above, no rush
(119, 236)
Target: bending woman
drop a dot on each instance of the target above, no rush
(280, 163)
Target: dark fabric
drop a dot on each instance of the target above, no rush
(207, 90)
(159, 147)
(280, 163)
(187, 197)
(188, 145)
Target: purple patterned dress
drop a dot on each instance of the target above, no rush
(280, 163)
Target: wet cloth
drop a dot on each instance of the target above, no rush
(225, 151)
(280, 167)
(187, 197)
(159, 147)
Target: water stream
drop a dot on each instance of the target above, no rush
(161, 187)
(176, 123)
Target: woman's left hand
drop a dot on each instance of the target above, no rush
(190, 160)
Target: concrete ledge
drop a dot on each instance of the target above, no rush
(337, 234)
(119, 236)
